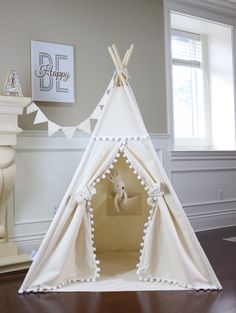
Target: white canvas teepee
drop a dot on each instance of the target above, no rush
(150, 227)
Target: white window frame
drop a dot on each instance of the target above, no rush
(195, 141)
(219, 13)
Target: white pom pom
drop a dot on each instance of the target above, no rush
(135, 172)
(111, 166)
(146, 188)
(130, 166)
(108, 171)
(103, 176)
(127, 161)
(118, 155)
(97, 262)
(115, 161)
(98, 180)
(142, 182)
(139, 177)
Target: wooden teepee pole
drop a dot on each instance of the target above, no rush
(129, 55)
(118, 63)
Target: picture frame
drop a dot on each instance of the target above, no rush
(52, 72)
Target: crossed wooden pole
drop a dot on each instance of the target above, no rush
(120, 65)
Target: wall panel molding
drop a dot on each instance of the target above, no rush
(41, 161)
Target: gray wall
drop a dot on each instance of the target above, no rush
(90, 26)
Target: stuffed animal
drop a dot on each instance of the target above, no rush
(118, 188)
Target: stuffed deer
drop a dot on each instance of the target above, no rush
(118, 187)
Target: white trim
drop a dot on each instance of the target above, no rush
(169, 82)
(206, 203)
(233, 38)
(221, 11)
(211, 213)
(202, 155)
(217, 12)
(207, 169)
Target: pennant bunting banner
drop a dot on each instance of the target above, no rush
(96, 113)
(32, 108)
(52, 128)
(68, 132)
(84, 126)
(40, 118)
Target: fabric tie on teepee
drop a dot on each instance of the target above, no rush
(158, 190)
(83, 194)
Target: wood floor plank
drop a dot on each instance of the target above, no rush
(221, 253)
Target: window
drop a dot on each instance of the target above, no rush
(202, 71)
(191, 122)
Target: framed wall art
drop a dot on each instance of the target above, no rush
(52, 72)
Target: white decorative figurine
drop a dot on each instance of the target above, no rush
(118, 187)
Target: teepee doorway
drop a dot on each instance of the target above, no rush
(119, 223)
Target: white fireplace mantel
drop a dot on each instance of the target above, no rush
(10, 108)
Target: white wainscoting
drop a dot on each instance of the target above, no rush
(204, 181)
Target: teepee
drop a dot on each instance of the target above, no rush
(120, 225)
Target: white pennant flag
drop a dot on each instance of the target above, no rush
(85, 126)
(52, 128)
(68, 131)
(96, 113)
(31, 108)
(40, 118)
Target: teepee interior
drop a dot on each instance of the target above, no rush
(118, 235)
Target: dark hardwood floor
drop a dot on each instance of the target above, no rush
(222, 255)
